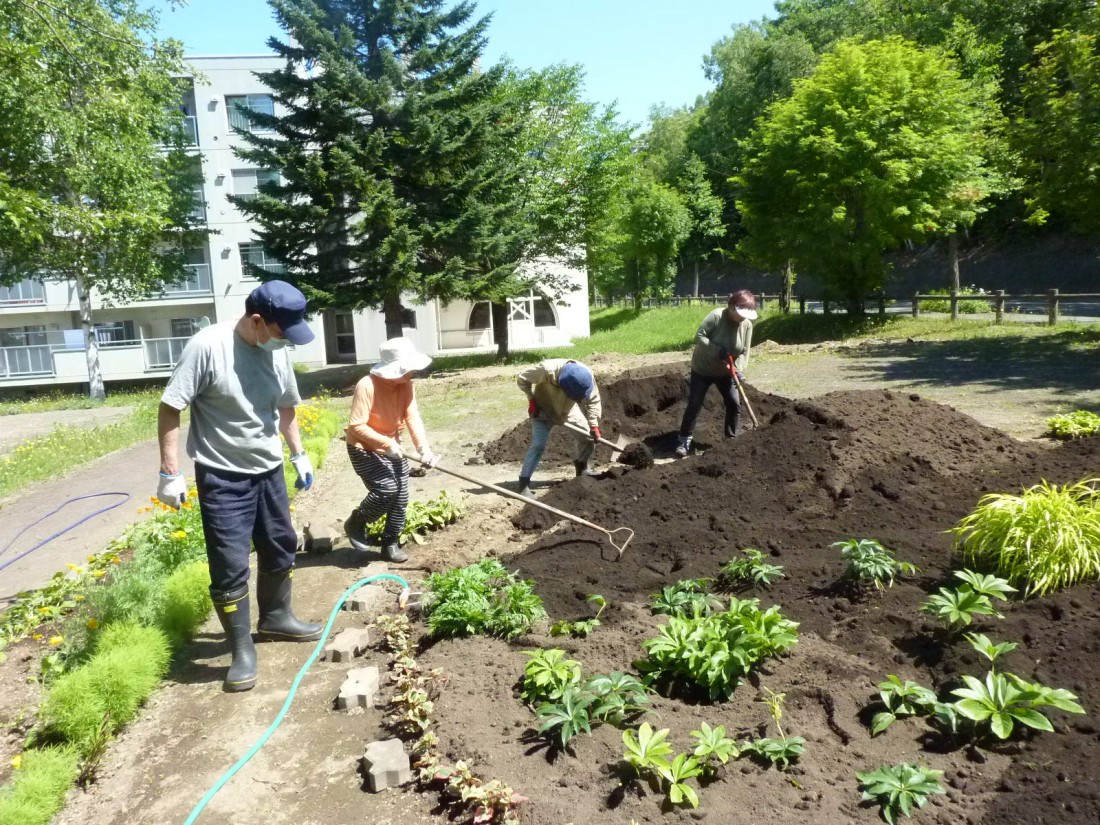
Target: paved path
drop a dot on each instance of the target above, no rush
(132, 471)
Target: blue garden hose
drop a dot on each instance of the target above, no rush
(240, 763)
(10, 562)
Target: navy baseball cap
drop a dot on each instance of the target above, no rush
(278, 302)
(575, 380)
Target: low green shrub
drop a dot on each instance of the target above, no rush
(1045, 539)
(186, 602)
(481, 598)
(422, 517)
(1078, 424)
(38, 788)
(967, 306)
(128, 663)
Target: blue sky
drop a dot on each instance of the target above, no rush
(636, 52)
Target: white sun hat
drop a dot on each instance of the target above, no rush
(398, 357)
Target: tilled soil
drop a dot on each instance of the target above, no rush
(869, 464)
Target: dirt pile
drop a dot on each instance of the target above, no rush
(881, 465)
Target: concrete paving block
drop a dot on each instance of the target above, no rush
(367, 597)
(359, 689)
(347, 644)
(319, 538)
(386, 765)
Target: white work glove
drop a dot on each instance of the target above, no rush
(304, 467)
(172, 490)
(394, 450)
(428, 458)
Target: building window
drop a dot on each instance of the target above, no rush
(241, 107)
(544, 313)
(408, 318)
(344, 326)
(27, 291)
(247, 182)
(481, 316)
(30, 336)
(114, 333)
(256, 255)
(532, 308)
(184, 327)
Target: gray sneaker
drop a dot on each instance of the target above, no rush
(683, 447)
(355, 528)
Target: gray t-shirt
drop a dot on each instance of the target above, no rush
(235, 391)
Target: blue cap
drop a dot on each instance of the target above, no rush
(576, 381)
(278, 302)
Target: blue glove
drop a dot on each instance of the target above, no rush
(304, 467)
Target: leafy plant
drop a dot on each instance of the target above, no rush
(714, 747)
(682, 768)
(780, 752)
(749, 570)
(421, 517)
(481, 598)
(567, 717)
(715, 651)
(581, 627)
(1045, 539)
(869, 563)
(396, 631)
(548, 675)
(648, 751)
(991, 651)
(898, 788)
(957, 608)
(491, 802)
(901, 699)
(684, 598)
(1004, 699)
(1077, 424)
(967, 306)
(986, 584)
(619, 697)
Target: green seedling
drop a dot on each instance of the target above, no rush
(713, 747)
(901, 699)
(986, 584)
(1002, 700)
(648, 751)
(749, 570)
(899, 788)
(686, 597)
(619, 697)
(567, 717)
(780, 752)
(683, 767)
(548, 675)
(1077, 424)
(581, 627)
(957, 608)
(991, 651)
(869, 563)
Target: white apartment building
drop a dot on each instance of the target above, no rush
(41, 341)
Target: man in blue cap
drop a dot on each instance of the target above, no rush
(559, 390)
(239, 382)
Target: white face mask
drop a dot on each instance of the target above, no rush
(272, 343)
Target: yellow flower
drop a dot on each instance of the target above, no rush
(179, 534)
(91, 559)
(56, 640)
(17, 761)
(99, 574)
(93, 624)
(292, 508)
(186, 505)
(37, 637)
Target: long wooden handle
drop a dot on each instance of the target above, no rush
(506, 492)
(744, 395)
(570, 425)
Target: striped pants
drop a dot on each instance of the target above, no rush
(387, 482)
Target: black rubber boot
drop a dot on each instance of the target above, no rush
(232, 610)
(582, 469)
(525, 487)
(355, 528)
(392, 552)
(277, 621)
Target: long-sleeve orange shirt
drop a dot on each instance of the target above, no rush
(380, 409)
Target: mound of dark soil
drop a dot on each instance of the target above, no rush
(880, 465)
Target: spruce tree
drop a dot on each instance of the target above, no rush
(383, 153)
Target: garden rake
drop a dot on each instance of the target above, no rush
(615, 537)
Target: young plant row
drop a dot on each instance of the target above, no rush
(409, 715)
(421, 517)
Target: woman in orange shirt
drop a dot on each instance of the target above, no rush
(383, 405)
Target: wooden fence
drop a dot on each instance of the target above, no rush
(997, 298)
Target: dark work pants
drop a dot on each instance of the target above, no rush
(697, 393)
(238, 510)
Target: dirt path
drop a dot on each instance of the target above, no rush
(306, 775)
(15, 429)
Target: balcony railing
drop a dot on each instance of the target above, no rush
(162, 353)
(197, 282)
(18, 362)
(27, 291)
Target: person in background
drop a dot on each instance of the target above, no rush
(724, 333)
(385, 403)
(559, 390)
(238, 380)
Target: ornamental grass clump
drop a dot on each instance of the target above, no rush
(1043, 540)
(39, 786)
